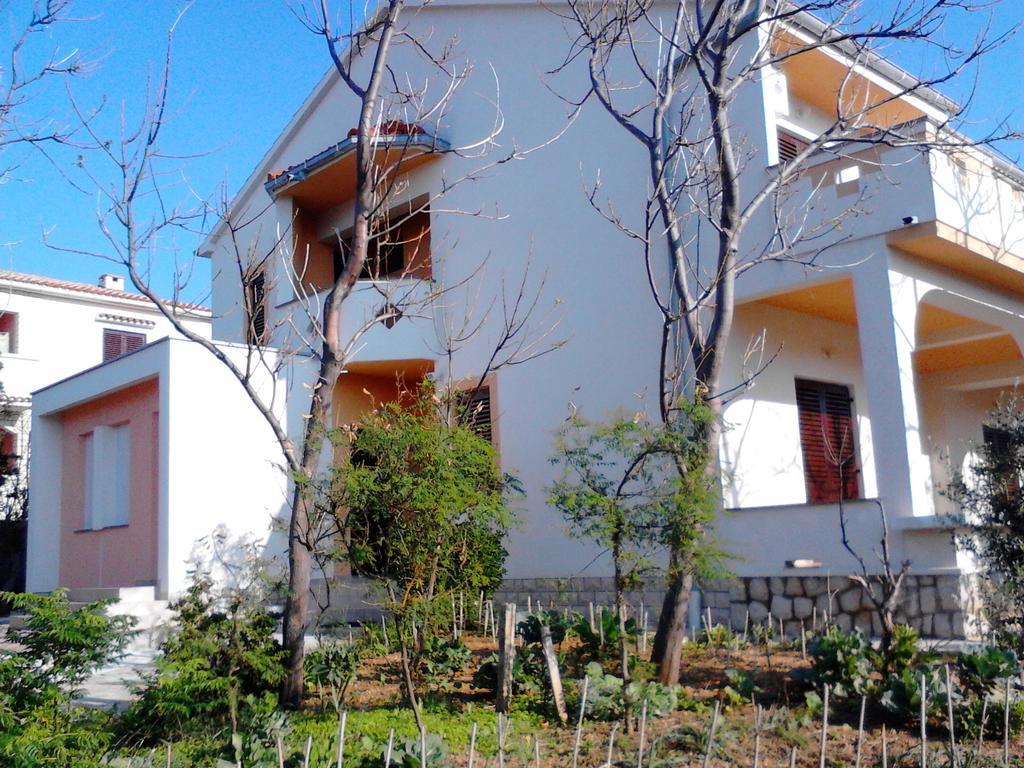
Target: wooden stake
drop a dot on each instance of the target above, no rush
(792, 758)
(341, 736)
(501, 740)
(168, 754)
(984, 717)
(305, 755)
(757, 736)
(885, 748)
(949, 719)
(507, 657)
(423, 748)
(1006, 725)
(536, 751)
(746, 624)
(480, 610)
(803, 640)
(824, 730)
(924, 724)
(593, 626)
(611, 744)
(554, 675)
(391, 745)
(280, 751)
(860, 730)
(472, 742)
(643, 736)
(579, 724)
(711, 734)
(384, 631)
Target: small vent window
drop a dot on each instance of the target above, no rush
(117, 343)
(476, 412)
(8, 333)
(790, 146)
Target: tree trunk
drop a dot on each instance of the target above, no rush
(300, 554)
(671, 634)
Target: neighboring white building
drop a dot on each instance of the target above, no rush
(905, 341)
(51, 329)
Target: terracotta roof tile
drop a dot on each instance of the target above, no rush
(95, 290)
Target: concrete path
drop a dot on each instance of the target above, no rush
(111, 685)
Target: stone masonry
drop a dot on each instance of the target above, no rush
(932, 604)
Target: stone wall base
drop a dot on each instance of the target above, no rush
(937, 606)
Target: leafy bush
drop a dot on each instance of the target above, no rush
(719, 636)
(842, 660)
(604, 695)
(61, 646)
(983, 670)
(901, 696)
(333, 667)
(407, 752)
(529, 674)
(442, 659)
(741, 688)
(559, 624)
(212, 671)
(602, 640)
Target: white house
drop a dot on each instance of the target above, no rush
(902, 343)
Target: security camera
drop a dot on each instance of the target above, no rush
(909, 221)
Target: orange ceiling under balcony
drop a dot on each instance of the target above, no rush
(329, 178)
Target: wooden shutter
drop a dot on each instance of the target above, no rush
(117, 343)
(828, 441)
(477, 412)
(790, 146)
(256, 310)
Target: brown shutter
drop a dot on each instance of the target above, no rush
(117, 343)
(828, 441)
(477, 413)
(790, 146)
(257, 309)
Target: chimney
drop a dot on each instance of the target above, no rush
(113, 282)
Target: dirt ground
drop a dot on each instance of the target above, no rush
(679, 739)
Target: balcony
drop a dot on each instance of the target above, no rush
(962, 211)
(407, 337)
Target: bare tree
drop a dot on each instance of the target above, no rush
(137, 219)
(670, 74)
(25, 72)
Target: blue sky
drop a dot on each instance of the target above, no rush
(241, 69)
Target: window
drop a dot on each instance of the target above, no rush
(117, 343)
(403, 251)
(476, 410)
(256, 306)
(107, 482)
(790, 146)
(8, 453)
(828, 441)
(8, 333)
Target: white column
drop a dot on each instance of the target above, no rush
(887, 305)
(44, 504)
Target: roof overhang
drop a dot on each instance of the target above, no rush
(328, 178)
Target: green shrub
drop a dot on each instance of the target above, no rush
(332, 667)
(901, 696)
(842, 660)
(741, 689)
(983, 670)
(604, 695)
(601, 641)
(719, 636)
(442, 659)
(212, 671)
(557, 622)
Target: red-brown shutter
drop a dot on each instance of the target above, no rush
(477, 417)
(117, 343)
(790, 146)
(828, 441)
